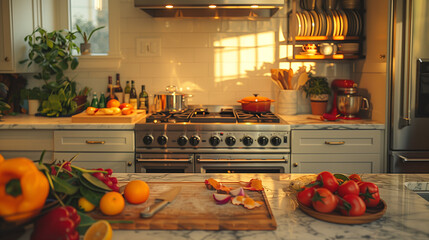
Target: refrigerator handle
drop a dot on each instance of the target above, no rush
(407, 159)
(405, 119)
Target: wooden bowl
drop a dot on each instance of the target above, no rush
(370, 215)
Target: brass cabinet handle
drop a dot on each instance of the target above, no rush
(130, 163)
(295, 164)
(94, 142)
(335, 143)
(6, 59)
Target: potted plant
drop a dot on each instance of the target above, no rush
(3, 93)
(52, 51)
(33, 97)
(318, 90)
(85, 47)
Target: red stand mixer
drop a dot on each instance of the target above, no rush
(345, 103)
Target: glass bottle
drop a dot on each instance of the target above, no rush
(102, 101)
(118, 89)
(133, 95)
(111, 94)
(94, 102)
(127, 92)
(144, 99)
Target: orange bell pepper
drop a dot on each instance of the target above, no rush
(23, 189)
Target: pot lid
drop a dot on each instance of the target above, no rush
(171, 90)
(256, 98)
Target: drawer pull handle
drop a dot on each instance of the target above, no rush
(335, 143)
(94, 142)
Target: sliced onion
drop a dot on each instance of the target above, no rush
(221, 198)
(237, 192)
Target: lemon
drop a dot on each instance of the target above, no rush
(85, 205)
(100, 230)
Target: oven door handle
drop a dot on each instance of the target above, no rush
(163, 160)
(242, 160)
(408, 159)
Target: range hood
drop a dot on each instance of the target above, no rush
(250, 9)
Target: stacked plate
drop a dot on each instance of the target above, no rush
(333, 22)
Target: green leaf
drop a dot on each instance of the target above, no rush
(85, 222)
(95, 181)
(74, 63)
(61, 185)
(341, 176)
(92, 196)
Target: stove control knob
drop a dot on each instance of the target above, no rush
(247, 141)
(214, 140)
(162, 140)
(262, 140)
(182, 140)
(194, 140)
(230, 140)
(276, 141)
(148, 139)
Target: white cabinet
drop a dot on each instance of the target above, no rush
(339, 151)
(97, 149)
(27, 143)
(18, 18)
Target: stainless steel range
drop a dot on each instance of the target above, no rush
(213, 139)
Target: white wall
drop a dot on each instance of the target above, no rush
(217, 61)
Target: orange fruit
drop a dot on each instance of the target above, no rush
(136, 192)
(127, 111)
(125, 105)
(113, 103)
(100, 230)
(112, 203)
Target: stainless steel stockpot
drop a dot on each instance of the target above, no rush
(171, 100)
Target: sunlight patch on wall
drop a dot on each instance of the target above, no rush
(243, 55)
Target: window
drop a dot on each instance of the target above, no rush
(91, 14)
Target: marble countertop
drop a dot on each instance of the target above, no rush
(24, 121)
(304, 121)
(407, 215)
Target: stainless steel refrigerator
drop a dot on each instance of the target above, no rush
(409, 87)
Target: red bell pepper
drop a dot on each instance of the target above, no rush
(59, 224)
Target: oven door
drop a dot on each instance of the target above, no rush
(242, 163)
(164, 163)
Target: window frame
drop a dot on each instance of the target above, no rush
(113, 58)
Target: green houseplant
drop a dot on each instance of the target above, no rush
(3, 93)
(318, 90)
(52, 52)
(85, 47)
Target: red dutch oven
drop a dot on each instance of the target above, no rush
(256, 104)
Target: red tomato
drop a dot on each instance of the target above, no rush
(349, 187)
(355, 177)
(323, 200)
(369, 193)
(305, 196)
(352, 205)
(327, 180)
(371, 201)
(125, 105)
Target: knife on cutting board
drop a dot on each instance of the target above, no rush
(160, 202)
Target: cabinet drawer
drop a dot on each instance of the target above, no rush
(118, 162)
(94, 141)
(335, 163)
(336, 141)
(26, 140)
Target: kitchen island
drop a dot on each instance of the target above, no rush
(407, 215)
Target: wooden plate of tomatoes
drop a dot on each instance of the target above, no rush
(371, 214)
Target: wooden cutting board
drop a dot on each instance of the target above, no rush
(117, 118)
(195, 209)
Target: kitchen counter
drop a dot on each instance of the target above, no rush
(303, 121)
(313, 122)
(24, 121)
(407, 215)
